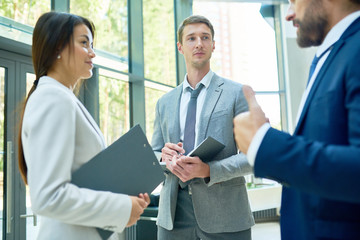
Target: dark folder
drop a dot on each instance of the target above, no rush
(127, 166)
(207, 149)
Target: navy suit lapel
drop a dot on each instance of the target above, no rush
(318, 80)
(354, 27)
(211, 99)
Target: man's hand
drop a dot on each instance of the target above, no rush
(187, 168)
(246, 124)
(138, 206)
(170, 150)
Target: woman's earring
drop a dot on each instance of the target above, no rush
(58, 57)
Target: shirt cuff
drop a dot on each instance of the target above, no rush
(255, 143)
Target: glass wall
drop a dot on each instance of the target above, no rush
(110, 18)
(111, 24)
(18, 17)
(159, 54)
(152, 93)
(159, 41)
(24, 11)
(245, 50)
(114, 105)
(270, 103)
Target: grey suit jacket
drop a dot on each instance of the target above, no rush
(220, 203)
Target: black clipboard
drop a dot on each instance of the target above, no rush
(127, 166)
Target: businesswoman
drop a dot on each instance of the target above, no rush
(58, 135)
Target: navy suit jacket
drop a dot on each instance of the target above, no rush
(320, 165)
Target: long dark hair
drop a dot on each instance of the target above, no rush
(52, 33)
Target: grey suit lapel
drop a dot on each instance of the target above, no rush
(174, 113)
(211, 99)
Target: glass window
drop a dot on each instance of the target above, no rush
(30, 78)
(24, 11)
(2, 138)
(17, 18)
(270, 104)
(159, 41)
(152, 94)
(114, 105)
(245, 50)
(15, 31)
(111, 38)
(245, 47)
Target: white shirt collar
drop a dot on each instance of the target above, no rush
(336, 32)
(205, 81)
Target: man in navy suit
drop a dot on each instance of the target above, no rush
(319, 165)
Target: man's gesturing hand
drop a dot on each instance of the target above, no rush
(246, 124)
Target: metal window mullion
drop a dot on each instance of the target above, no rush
(136, 63)
(60, 5)
(281, 68)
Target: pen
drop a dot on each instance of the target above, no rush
(179, 153)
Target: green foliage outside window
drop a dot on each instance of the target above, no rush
(159, 41)
(114, 108)
(24, 11)
(111, 24)
(110, 20)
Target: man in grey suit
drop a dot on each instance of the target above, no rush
(201, 200)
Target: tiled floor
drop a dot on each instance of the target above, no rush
(266, 231)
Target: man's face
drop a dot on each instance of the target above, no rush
(197, 45)
(311, 21)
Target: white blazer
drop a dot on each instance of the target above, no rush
(58, 136)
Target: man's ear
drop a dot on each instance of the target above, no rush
(179, 46)
(213, 48)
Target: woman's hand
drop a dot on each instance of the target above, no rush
(138, 206)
